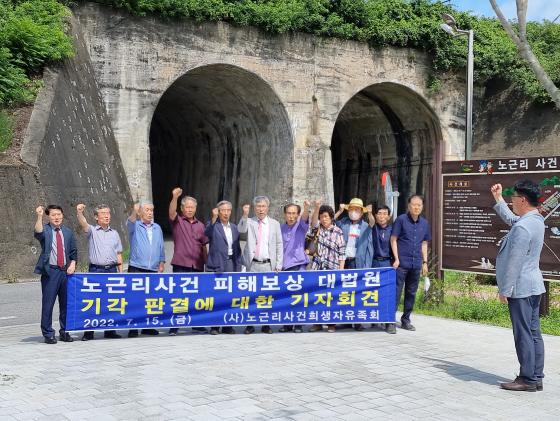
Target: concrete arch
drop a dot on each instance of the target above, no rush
(386, 124)
(220, 132)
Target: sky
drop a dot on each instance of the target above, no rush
(537, 10)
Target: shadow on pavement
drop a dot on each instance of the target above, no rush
(466, 373)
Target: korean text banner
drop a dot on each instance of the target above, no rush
(100, 301)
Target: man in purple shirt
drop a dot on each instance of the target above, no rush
(409, 243)
(293, 238)
(189, 253)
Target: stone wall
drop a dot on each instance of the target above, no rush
(69, 156)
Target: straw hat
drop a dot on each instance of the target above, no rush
(356, 203)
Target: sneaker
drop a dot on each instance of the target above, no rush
(214, 331)
(249, 330)
(266, 329)
(316, 328)
(228, 330)
(331, 329)
(298, 329)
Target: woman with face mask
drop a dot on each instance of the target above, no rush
(357, 236)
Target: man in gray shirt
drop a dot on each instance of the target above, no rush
(520, 281)
(104, 249)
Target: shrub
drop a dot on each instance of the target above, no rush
(6, 128)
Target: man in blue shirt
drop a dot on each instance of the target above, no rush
(409, 243)
(146, 246)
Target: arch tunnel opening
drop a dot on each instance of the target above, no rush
(220, 133)
(385, 126)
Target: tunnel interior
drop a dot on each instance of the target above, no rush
(384, 126)
(220, 133)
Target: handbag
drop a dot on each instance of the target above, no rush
(311, 240)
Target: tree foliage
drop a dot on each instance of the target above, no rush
(31, 36)
(382, 23)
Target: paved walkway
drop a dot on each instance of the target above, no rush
(445, 370)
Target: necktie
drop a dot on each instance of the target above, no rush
(59, 249)
(259, 239)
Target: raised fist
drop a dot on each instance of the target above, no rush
(40, 210)
(136, 208)
(318, 202)
(80, 208)
(306, 203)
(496, 190)
(215, 213)
(341, 207)
(177, 191)
(246, 209)
(369, 208)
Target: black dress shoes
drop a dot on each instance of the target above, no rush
(228, 330)
(111, 334)
(407, 326)
(266, 329)
(518, 385)
(249, 330)
(65, 337)
(50, 340)
(539, 385)
(151, 332)
(88, 336)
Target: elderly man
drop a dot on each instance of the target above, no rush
(147, 253)
(189, 253)
(357, 236)
(57, 260)
(263, 251)
(293, 238)
(224, 253)
(104, 249)
(409, 243)
(520, 281)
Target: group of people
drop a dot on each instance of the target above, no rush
(321, 240)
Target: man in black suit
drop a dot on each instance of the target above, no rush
(224, 254)
(57, 260)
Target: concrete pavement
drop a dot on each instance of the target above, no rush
(445, 370)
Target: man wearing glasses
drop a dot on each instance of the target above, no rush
(520, 281)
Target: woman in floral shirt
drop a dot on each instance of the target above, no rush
(331, 247)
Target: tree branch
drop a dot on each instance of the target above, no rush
(525, 50)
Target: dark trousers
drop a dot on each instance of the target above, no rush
(381, 263)
(181, 269)
(407, 279)
(97, 269)
(53, 285)
(529, 345)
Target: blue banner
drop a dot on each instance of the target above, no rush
(103, 301)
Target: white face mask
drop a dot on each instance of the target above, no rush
(354, 215)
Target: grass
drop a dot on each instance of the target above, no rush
(6, 130)
(466, 299)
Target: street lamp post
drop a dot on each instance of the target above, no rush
(450, 26)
